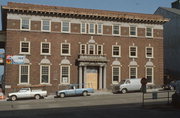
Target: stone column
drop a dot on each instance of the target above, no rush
(104, 79)
(85, 84)
(100, 77)
(80, 76)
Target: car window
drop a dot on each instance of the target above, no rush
(128, 82)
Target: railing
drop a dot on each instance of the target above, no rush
(157, 95)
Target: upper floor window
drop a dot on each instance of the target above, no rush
(149, 52)
(91, 28)
(115, 74)
(91, 49)
(133, 72)
(25, 24)
(82, 49)
(149, 32)
(115, 51)
(99, 28)
(45, 74)
(24, 47)
(149, 74)
(45, 48)
(23, 74)
(133, 31)
(65, 27)
(45, 25)
(65, 49)
(116, 30)
(99, 49)
(83, 28)
(133, 51)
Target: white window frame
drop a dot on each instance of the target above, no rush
(49, 68)
(69, 27)
(29, 26)
(29, 45)
(89, 28)
(134, 31)
(113, 51)
(130, 71)
(135, 52)
(151, 75)
(21, 74)
(100, 50)
(152, 55)
(84, 29)
(42, 53)
(68, 74)
(94, 49)
(69, 49)
(118, 29)
(85, 52)
(152, 31)
(42, 24)
(119, 79)
(99, 27)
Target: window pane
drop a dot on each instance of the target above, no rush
(116, 51)
(133, 73)
(46, 25)
(132, 30)
(24, 74)
(45, 48)
(91, 30)
(83, 28)
(65, 48)
(116, 29)
(45, 74)
(65, 75)
(25, 23)
(65, 26)
(115, 74)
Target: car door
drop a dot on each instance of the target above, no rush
(71, 91)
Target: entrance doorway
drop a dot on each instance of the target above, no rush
(92, 77)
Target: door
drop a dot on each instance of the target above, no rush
(92, 78)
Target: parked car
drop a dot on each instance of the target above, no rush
(27, 93)
(176, 95)
(73, 91)
(170, 86)
(127, 86)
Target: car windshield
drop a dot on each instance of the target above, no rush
(23, 90)
(122, 81)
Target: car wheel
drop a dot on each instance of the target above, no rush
(62, 95)
(124, 91)
(13, 98)
(37, 97)
(85, 93)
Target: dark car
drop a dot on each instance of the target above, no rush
(176, 95)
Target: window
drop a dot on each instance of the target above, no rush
(65, 74)
(65, 27)
(116, 30)
(99, 49)
(133, 31)
(82, 49)
(45, 74)
(149, 74)
(91, 28)
(65, 49)
(115, 51)
(25, 24)
(149, 52)
(133, 51)
(24, 74)
(133, 72)
(99, 29)
(45, 48)
(149, 32)
(91, 49)
(116, 73)
(83, 28)
(24, 47)
(45, 25)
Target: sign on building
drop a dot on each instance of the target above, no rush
(15, 59)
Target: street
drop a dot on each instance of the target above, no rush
(96, 106)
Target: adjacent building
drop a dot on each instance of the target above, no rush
(171, 40)
(91, 48)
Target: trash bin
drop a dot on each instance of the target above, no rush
(115, 88)
(154, 95)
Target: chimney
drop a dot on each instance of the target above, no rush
(176, 4)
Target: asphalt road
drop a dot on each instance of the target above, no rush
(98, 106)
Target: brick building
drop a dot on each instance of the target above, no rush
(92, 48)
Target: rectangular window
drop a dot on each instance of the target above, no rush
(133, 31)
(45, 25)
(91, 49)
(116, 30)
(149, 32)
(149, 74)
(25, 24)
(24, 47)
(65, 49)
(65, 74)
(149, 52)
(116, 73)
(65, 27)
(82, 49)
(100, 29)
(133, 52)
(24, 74)
(45, 74)
(115, 51)
(100, 49)
(133, 72)
(45, 48)
(91, 28)
(83, 28)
